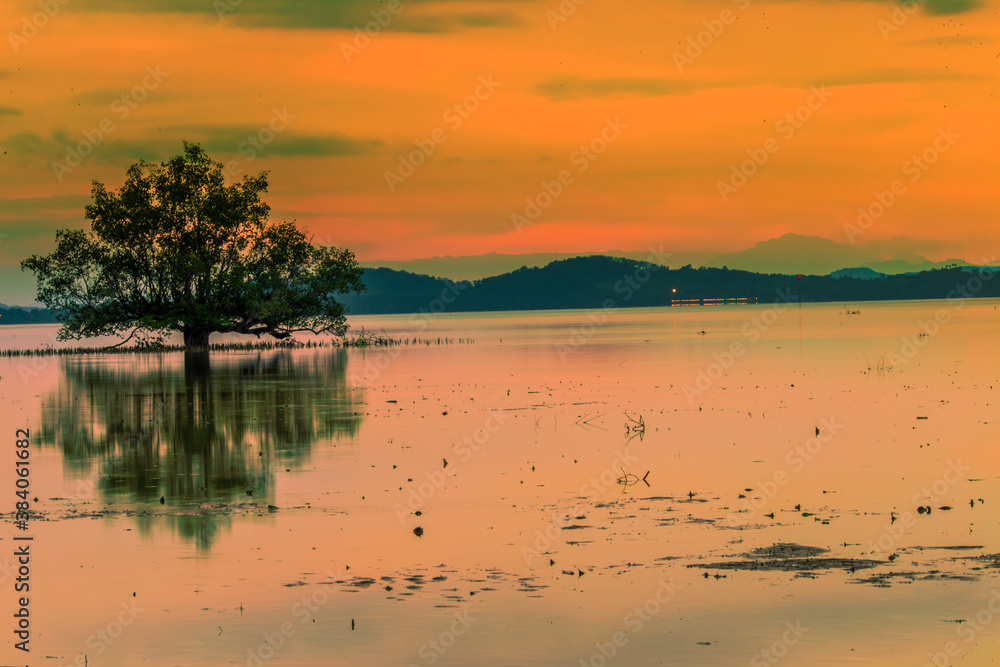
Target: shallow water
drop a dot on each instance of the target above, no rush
(290, 483)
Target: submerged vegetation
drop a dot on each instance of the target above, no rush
(362, 339)
(879, 366)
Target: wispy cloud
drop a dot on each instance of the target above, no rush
(218, 140)
(574, 88)
(951, 6)
(898, 75)
(938, 7)
(41, 206)
(326, 14)
(229, 138)
(577, 88)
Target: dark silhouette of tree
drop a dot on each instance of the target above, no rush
(176, 249)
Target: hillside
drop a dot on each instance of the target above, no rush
(591, 282)
(598, 281)
(789, 254)
(15, 315)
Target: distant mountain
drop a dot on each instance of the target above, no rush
(607, 282)
(899, 266)
(475, 267)
(860, 273)
(598, 282)
(788, 254)
(35, 307)
(391, 291)
(795, 253)
(16, 315)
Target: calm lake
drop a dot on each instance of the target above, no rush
(742, 485)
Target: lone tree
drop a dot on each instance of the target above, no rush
(176, 249)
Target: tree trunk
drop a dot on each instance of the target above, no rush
(196, 339)
(196, 362)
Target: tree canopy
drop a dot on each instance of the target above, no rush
(176, 249)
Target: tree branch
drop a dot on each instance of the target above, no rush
(111, 347)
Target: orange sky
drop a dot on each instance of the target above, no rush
(347, 110)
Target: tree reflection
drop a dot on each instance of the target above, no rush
(195, 429)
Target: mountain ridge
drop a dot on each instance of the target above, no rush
(610, 283)
(788, 254)
(596, 281)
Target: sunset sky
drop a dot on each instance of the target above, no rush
(671, 97)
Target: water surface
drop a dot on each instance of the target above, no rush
(273, 496)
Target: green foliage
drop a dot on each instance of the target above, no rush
(176, 249)
(608, 283)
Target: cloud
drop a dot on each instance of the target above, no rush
(940, 7)
(898, 75)
(951, 6)
(328, 145)
(574, 88)
(108, 97)
(38, 206)
(28, 143)
(444, 22)
(231, 138)
(322, 14)
(216, 139)
(974, 39)
(109, 151)
(9, 111)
